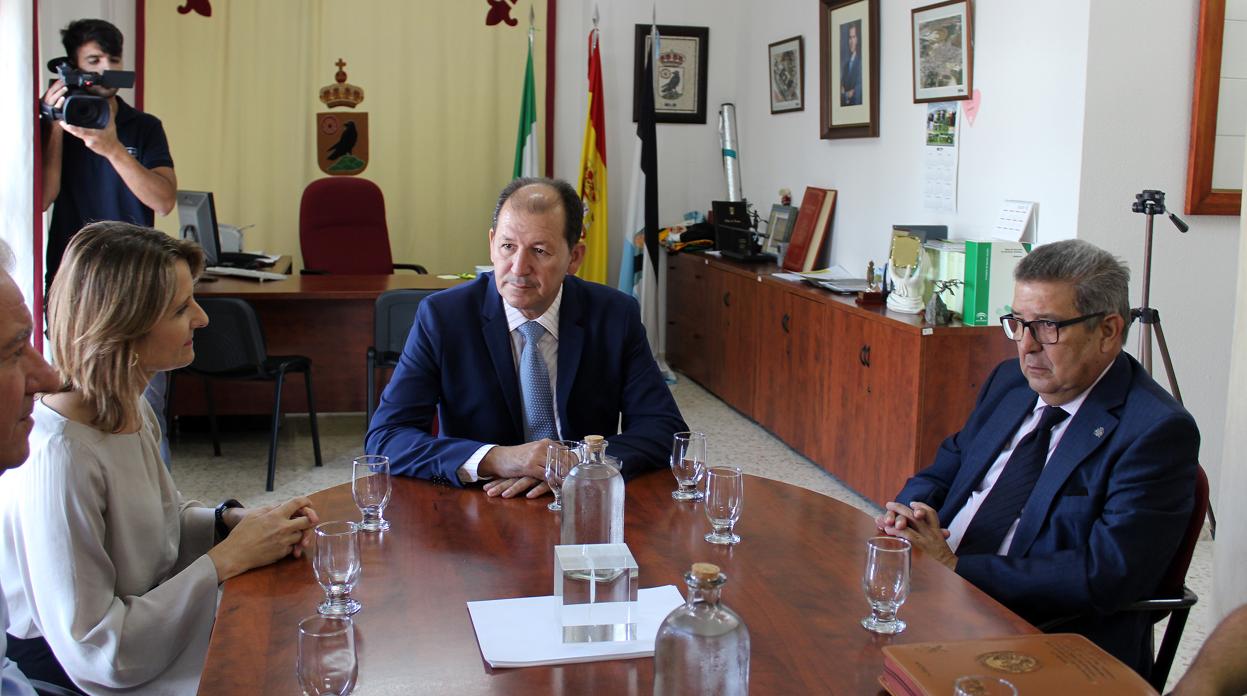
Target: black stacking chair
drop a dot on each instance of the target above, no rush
(232, 347)
(1173, 598)
(393, 315)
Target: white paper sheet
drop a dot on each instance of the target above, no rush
(788, 276)
(525, 632)
(830, 273)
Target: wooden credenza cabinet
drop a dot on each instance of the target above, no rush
(865, 393)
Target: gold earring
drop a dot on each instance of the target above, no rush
(134, 359)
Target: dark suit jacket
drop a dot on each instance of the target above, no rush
(1105, 517)
(851, 79)
(458, 364)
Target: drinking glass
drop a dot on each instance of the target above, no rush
(886, 583)
(561, 457)
(725, 493)
(370, 487)
(327, 662)
(688, 462)
(983, 686)
(336, 565)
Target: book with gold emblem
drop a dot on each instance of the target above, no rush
(1043, 663)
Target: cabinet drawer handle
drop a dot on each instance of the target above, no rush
(784, 322)
(864, 355)
(727, 299)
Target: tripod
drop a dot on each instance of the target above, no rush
(1152, 203)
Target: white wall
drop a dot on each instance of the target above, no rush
(1230, 561)
(1140, 71)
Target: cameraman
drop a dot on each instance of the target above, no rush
(120, 172)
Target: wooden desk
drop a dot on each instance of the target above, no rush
(328, 318)
(795, 579)
(865, 393)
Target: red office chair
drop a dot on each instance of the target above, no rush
(342, 229)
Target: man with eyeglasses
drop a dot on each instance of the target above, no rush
(1070, 486)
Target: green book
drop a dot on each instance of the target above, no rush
(989, 279)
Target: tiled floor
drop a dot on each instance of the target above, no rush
(239, 473)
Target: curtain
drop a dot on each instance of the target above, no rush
(17, 123)
(238, 92)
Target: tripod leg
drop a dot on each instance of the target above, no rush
(1164, 356)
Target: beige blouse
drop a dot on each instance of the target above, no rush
(102, 557)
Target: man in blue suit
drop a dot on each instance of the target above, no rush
(851, 71)
(522, 356)
(1069, 488)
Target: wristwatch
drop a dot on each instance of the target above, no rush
(222, 530)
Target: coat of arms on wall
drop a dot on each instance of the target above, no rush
(341, 137)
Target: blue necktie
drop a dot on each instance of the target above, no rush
(1004, 503)
(535, 386)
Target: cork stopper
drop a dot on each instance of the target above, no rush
(592, 440)
(705, 572)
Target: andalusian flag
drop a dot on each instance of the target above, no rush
(593, 172)
(526, 141)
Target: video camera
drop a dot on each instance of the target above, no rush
(81, 108)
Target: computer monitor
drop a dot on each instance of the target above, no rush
(197, 217)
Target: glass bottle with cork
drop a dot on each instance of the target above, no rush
(593, 497)
(703, 646)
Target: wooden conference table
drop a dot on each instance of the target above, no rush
(328, 318)
(795, 578)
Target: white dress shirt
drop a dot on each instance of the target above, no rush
(549, 347)
(957, 527)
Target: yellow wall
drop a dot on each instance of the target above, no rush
(238, 93)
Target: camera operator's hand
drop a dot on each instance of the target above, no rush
(101, 141)
(55, 96)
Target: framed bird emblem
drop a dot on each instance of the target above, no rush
(341, 136)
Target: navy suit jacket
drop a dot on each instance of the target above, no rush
(458, 363)
(1106, 515)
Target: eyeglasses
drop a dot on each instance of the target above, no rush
(1044, 331)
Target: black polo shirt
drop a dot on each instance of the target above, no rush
(91, 190)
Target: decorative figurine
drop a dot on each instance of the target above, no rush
(906, 295)
(938, 313)
(870, 277)
(785, 196)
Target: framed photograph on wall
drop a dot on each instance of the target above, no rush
(943, 37)
(786, 61)
(679, 75)
(848, 68)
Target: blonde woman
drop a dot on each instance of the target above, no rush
(100, 556)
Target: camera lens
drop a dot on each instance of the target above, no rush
(86, 111)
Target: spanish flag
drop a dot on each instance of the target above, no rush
(593, 172)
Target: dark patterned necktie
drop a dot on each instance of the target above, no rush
(1005, 501)
(535, 386)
